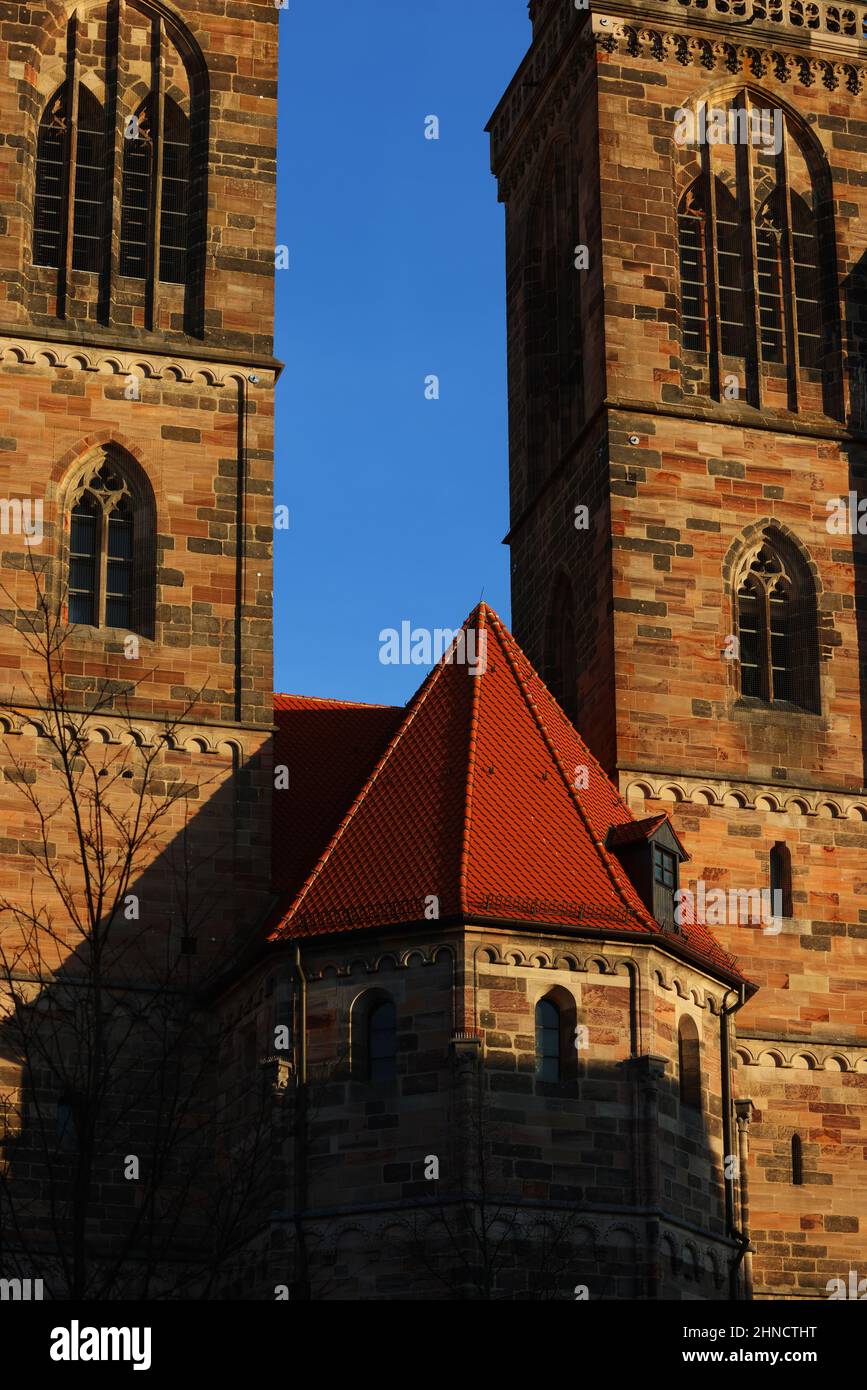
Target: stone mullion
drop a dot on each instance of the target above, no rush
(712, 274)
(71, 103)
(746, 160)
(155, 209)
(115, 125)
(790, 318)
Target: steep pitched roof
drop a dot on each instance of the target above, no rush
(486, 800)
(328, 748)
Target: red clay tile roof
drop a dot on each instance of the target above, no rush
(328, 748)
(478, 800)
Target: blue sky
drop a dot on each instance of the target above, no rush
(398, 504)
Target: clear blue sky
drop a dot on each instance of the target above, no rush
(398, 504)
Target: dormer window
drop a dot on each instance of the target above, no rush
(651, 854)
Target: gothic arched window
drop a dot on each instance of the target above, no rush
(757, 262)
(143, 151)
(554, 363)
(148, 133)
(689, 1063)
(776, 626)
(52, 181)
(110, 578)
(562, 649)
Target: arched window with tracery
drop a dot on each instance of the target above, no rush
(110, 579)
(757, 263)
(149, 131)
(555, 404)
(776, 622)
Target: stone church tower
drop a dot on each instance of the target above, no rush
(136, 392)
(686, 361)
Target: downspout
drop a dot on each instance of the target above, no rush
(732, 1227)
(302, 1270)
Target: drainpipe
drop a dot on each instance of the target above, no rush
(302, 1271)
(739, 1233)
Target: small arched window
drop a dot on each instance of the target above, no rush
(110, 580)
(781, 880)
(144, 150)
(52, 181)
(797, 1161)
(547, 1041)
(382, 1042)
(689, 1063)
(777, 626)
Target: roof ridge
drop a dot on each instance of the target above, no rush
(475, 707)
(549, 743)
(415, 706)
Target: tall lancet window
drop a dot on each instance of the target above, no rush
(758, 283)
(53, 180)
(144, 152)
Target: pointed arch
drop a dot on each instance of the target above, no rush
(107, 555)
(759, 298)
(776, 623)
(162, 107)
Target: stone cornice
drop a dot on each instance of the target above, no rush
(724, 54)
(552, 70)
(23, 349)
(97, 350)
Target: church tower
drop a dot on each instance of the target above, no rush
(138, 182)
(685, 205)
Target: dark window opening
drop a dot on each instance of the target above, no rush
(689, 1064)
(382, 1042)
(547, 1041)
(781, 879)
(797, 1161)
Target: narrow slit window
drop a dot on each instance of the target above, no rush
(382, 1042)
(49, 203)
(89, 205)
(731, 275)
(693, 292)
(136, 195)
(84, 538)
(175, 194)
(547, 1041)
